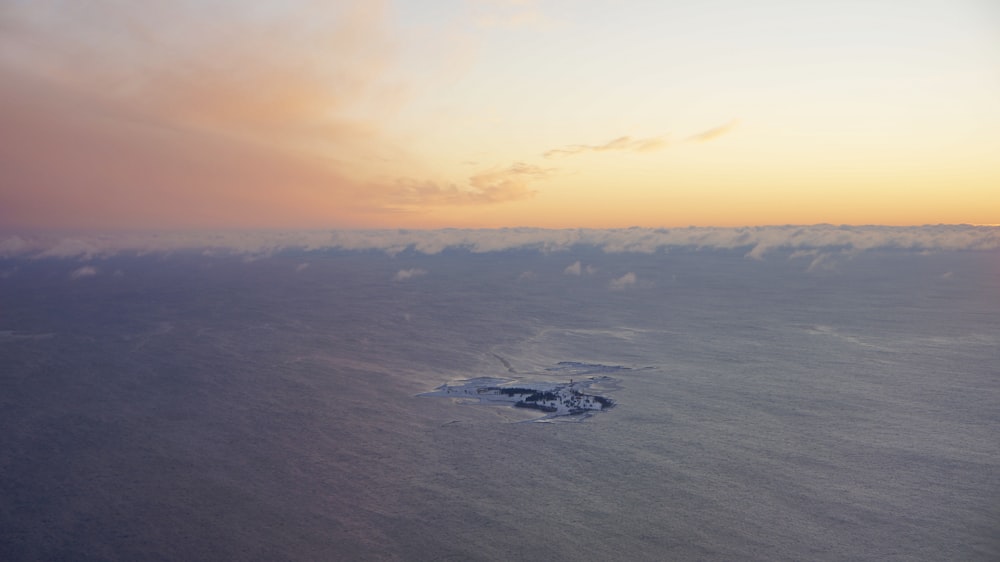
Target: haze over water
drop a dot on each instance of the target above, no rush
(246, 406)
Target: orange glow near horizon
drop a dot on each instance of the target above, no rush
(400, 115)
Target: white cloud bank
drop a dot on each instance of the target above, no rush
(756, 242)
(404, 274)
(623, 282)
(577, 268)
(85, 271)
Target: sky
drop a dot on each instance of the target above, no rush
(303, 114)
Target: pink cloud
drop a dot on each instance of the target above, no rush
(128, 115)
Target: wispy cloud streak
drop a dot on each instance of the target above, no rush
(486, 187)
(628, 144)
(620, 144)
(713, 133)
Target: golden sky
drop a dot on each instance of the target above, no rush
(492, 113)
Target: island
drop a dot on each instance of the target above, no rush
(553, 398)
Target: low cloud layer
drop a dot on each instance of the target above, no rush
(754, 242)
